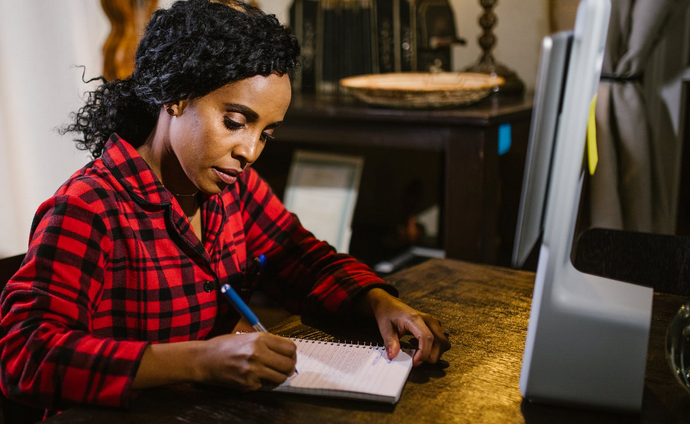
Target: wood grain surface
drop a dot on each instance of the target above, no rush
(485, 308)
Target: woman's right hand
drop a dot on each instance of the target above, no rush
(247, 361)
(240, 361)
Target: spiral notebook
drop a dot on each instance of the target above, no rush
(348, 370)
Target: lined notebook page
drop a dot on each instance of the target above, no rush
(348, 370)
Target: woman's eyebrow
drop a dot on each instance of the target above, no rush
(244, 110)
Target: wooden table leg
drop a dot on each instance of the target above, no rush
(472, 198)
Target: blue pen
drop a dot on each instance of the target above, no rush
(242, 307)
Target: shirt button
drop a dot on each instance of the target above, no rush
(209, 286)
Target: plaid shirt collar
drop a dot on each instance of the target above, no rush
(134, 173)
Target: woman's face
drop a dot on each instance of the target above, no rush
(215, 137)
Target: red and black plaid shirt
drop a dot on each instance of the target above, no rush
(113, 265)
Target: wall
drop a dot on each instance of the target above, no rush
(40, 45)
(521, 26)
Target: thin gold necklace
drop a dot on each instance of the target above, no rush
(184, 195)
(188, 195)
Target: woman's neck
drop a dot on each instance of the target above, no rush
(158, 154)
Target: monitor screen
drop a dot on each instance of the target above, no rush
(548, 103)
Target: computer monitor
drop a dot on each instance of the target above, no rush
(587, 336)
(548, 101)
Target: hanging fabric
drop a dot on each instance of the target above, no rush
(627, 190)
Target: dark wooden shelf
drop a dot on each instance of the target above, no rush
(479, 190)
(492, 110)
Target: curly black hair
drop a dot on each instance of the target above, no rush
(187, 51)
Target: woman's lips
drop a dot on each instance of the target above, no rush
(228, 176)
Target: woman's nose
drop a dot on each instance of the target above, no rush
(248, 149)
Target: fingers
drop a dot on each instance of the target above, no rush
(431, 339)
(440, 343)
(249, 361)
(390, 339)
(280, 345)
(270, 372)
(395, 318)
(264, 377)
(425, 340)
(285, 365)
(281, 354)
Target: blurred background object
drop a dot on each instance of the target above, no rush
(343, 38)
(487, 64)
(128, 19)
(43, 44)
(639, 124)
(562, 14)
(421, 90)
(642, 182)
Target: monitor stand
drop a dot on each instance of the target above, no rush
(587, 337)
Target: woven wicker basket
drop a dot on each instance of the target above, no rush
(416, 90)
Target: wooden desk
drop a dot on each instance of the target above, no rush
(486, 309)
(481, 190)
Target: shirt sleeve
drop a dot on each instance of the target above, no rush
(49, 357)
(303, 273)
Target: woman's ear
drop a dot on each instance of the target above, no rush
(181, 105)
(175, 109)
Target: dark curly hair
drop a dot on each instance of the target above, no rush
(187, 51)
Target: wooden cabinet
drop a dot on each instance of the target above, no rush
(478, 190)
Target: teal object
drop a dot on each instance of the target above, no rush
(505, 139)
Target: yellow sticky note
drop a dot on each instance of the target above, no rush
(592, 154)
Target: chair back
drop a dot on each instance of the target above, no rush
(13, 412)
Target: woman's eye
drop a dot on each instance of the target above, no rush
(232, 125)
(266, 136)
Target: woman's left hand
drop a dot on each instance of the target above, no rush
(396, 319)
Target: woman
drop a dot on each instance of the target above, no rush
(119, 290)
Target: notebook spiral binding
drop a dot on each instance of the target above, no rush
(353, 343)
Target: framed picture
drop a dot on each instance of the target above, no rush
(322, 191)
